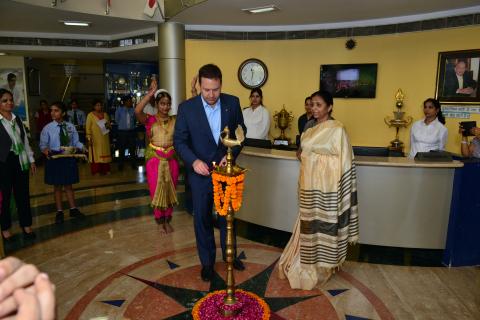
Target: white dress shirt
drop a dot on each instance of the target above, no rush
(426, 137)
(257, 122)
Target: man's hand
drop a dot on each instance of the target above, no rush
(201, 167)
(465, 90)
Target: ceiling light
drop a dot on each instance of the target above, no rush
(263, 9)
(76, 23)
(3, 53)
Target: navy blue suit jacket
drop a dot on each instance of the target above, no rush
(193, 137)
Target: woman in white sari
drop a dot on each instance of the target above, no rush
(328, 215)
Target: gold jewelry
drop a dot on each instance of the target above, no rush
(164, 150)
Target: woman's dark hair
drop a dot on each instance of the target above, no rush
(209, 71)
(95, 101)
(438, 107)
(326, 96)
(260, 93)
(163, 94)
(3, 91)
(257, 90)
(60, 105)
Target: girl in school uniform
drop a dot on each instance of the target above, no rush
(61, 172)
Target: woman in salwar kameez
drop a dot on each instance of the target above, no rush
(161, 163)
(328, 216)
(97, 128)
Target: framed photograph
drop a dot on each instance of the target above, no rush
(457, 77)
(349, 80)
(12, 80)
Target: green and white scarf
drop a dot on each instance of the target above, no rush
(18, 146)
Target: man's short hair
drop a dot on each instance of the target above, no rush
(209, 71)
(307, 98)
(11, 76)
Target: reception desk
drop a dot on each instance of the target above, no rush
(402, 203)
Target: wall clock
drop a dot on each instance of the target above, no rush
(252, 73)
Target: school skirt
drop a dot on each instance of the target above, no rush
(62, 171)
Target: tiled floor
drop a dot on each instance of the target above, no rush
(116, 264)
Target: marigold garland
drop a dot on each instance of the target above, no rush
(208, 306)
(227, 190)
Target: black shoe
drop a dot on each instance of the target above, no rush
(59, 217)
(237, 264)
(75, 213)
(28, 235)
(207, 273)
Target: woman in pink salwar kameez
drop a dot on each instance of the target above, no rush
(161, 163)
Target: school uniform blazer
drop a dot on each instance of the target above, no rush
(6, 141)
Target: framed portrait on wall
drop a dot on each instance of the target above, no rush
(12, 79)
(457, 77)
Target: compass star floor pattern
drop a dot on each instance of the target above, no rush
(155, 291)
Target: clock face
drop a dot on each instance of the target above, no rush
(252, 73)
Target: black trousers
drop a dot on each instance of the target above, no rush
(12, 178)
(127, 140)
(204, 226)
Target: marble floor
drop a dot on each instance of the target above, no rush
(118, 264)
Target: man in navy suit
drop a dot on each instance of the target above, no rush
(197, 141)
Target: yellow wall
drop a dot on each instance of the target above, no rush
(407, 61)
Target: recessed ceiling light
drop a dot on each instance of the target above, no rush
(75, 23)
(3, 53)
(263, 9)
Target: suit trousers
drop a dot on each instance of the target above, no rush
(127, 140)
(12, 178)
(204, 225)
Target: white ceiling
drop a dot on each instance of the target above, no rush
(20, 17)
(216, 14)
(40, 21)
(302, 12)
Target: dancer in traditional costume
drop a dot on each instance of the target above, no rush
(162, 165)
(328, 216)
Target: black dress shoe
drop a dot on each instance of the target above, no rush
(207, 273)
(238, 264)
(29, 235)
(75, 213)
(59, 217)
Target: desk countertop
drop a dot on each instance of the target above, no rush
(359, 160)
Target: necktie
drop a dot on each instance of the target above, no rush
(75, 118)
(64, 141)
